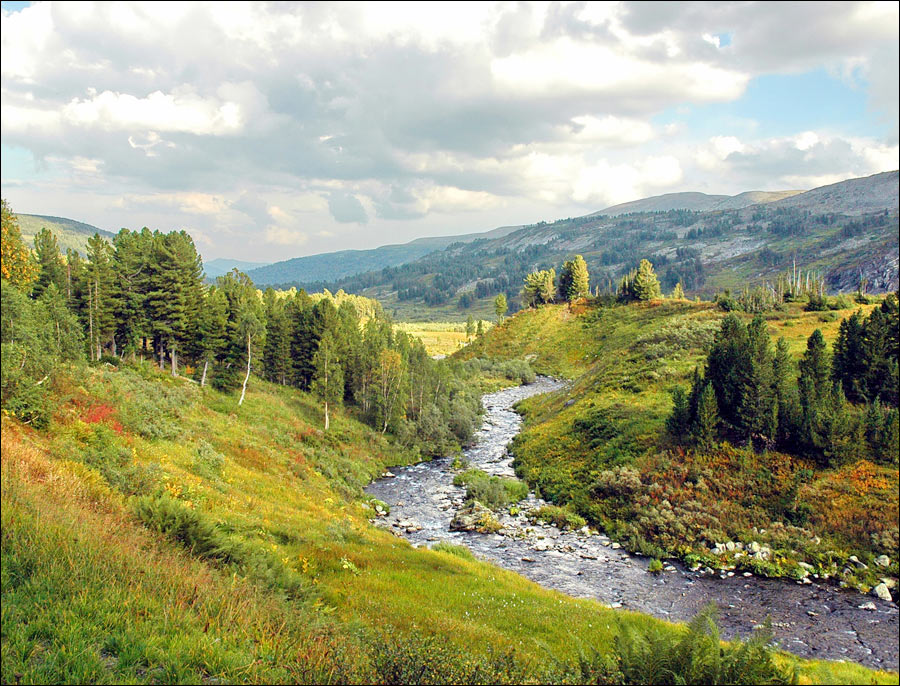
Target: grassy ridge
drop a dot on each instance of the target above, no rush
(601, 448)
(90, 594)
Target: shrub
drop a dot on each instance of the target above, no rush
(207, 462)
(491, 491)
(656, 566)
(558, 516)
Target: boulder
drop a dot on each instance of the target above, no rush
(882, 592)
(883, 561)
(856, 562)
(868, 606)
(475, 517)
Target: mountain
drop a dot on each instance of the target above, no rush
(845, 232)
(344, 263)
(69, 233)
(698, 202)
(223, 265)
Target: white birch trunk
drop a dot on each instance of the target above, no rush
(246, 378)
(203, 377)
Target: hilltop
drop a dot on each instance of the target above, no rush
(697, 202)
(845, 232)
(69, 233)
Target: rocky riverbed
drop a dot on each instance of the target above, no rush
(809, 619)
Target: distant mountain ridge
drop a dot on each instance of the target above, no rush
(700, 202)
(343, 263)
(223, 265)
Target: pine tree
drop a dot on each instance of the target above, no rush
(500, 307)
(211, 330)
(470, 327)
(758, 410)
(51, 269)
(574, 280)
(100, 303)
(479, 329)
(728, 367)
(677, 292)
(784, 383)
(646, 285)
(850, 359)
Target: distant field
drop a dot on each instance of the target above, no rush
(439, 338)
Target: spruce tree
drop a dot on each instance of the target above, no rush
(677, 292)
(784, 382)
(850, 357)
(707, 423)
(728, 367)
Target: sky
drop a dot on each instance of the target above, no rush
(276, 130)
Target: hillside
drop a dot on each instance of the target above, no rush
(602, 449)
(69, 233)
(274, 573)
(845, 232)
(343, 263)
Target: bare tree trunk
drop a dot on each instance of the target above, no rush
(90, 320)
(162, 357)
(203, 377)
(246, 378)
(173, 355)
(326, 415)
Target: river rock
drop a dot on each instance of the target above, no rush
(868, 606)
(753, 547)
(615, 546)
(729, 546)
(856, 562)
(881, 590)
(883, 561)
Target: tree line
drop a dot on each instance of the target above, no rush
(142, 297)
(830, 407)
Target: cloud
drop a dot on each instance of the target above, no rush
(379, 114)
(346, 208)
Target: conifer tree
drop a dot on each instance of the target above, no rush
(100, 303)
(728, 367)
(784, 383)
(849, 362)
(500, 307)
(646, 285)
(677, 292)
(758, 410)
(574, 280)
(470, 327)
(51, 269)
(707, 422)
(211, 330)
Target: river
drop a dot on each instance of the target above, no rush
(815, 620)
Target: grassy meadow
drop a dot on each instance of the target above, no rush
(157, 532)
(439, 338)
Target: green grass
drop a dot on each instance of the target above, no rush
(156, 532)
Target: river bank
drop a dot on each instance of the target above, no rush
(811, 620)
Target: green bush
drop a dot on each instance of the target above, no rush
(656, 566)
(558, 516)
(491, 491)
(208, 462)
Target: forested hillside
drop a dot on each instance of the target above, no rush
(846, 233)
(70, 234)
